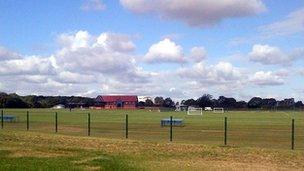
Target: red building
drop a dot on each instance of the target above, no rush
(116, 102)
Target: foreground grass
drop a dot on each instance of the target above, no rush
(21, 150)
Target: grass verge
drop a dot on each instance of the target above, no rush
(21, 150)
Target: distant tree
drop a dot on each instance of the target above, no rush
(189, 102)
(204, 101)
(269, 103)
(14, 102)
(299, 104)
(159, 101)
(3, 97)
(255, 102)
(215, 103)
(286, 104)
(149, 103)
(226, 102)
(168, 102)
(241, 105)
(141, 104)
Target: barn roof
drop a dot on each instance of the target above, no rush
(114, 98)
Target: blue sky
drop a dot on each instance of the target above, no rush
(170, 48)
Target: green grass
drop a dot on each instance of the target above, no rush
(34, 163)
(261, 129)
(82, 159)
(256, 141)
(22, 150)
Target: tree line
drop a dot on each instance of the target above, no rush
(32, 101)
(207, 100)
(230, 103)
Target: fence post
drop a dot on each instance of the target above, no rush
(27, 120)
(127, 128)
(1, 119)
(171, 130)
(225, 133)
(89, 124)
(292, 134)
(56, 122)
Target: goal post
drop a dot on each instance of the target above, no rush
(218, 110)
(194, 111)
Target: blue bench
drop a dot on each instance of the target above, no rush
(175, 122)
(8, 118)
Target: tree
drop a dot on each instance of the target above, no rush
(3, 97)
(255, 102)
(205, 101)
(189, 102)
(141, 104)
(299, 104)
(14, 102)
(286, 104)
(269, 103)
(149, 103)
(241, 105)
(159, 101)
(226, 102)
(169, 102)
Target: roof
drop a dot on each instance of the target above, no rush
(115, 98)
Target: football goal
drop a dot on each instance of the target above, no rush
(218, 110)
(194, 111)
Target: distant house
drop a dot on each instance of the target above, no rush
(116, 102)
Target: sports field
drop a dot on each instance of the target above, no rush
(245, 128)
(255, 141)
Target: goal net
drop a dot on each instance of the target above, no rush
(218, 110)
(194, 111)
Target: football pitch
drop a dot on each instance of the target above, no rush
(262, 129)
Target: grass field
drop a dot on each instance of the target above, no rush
(245, 129)
(253, 138)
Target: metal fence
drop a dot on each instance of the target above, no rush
(212, 129)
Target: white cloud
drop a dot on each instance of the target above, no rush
(32, 65)
(198, 54)
(269, 55)
(220, 79)
(83, 62)
(266, 78)
(199, 13)
(115, 42)
(293, 23)
(106, 54)
(221, 73)
(93, 5)
(6, 54)
(69, 77)
(34, 78)
(88, 65)
(73, 41)
(165, 51)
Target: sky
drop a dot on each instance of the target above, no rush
(170, 48)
